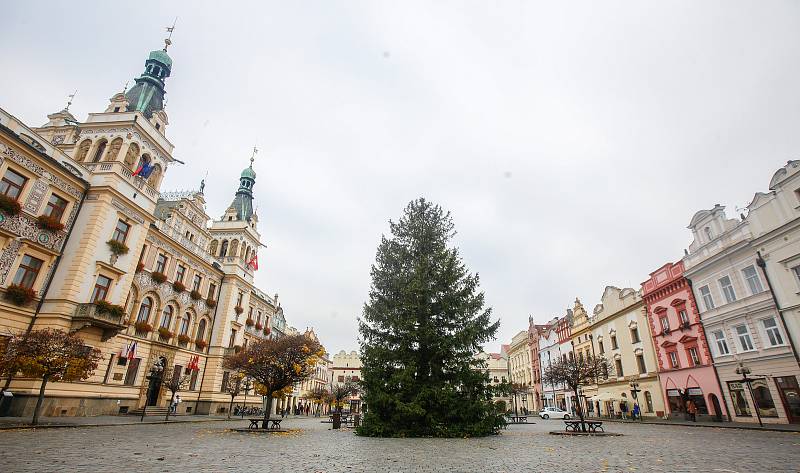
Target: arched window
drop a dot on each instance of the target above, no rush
(201, 330)
(213, 248)
(184, 327)
(648, 401)
(113, 150)
(224, 251)
(132, 154)
(166, 318)
(101, 148)
(144, 310)
(83, 150)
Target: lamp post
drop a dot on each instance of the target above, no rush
(156, 373)
(745, 371)
(635, 394)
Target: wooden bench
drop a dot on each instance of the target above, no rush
(575, 426)
(269, 424)
(518, 419)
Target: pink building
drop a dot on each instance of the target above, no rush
(685, 366)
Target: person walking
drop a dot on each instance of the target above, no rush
(691, 408)
(636, 414)
(623, 408)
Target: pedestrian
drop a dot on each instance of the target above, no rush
(636, 412)
(691, 408)
(623, 408)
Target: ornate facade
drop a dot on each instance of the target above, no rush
(186, 285)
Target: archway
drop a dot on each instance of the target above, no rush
(716, 406)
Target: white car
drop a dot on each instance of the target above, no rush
(553, 412)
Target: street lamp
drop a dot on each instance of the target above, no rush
(745, 371)
(156, 373)
(635, 394)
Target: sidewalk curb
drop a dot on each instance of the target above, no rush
(721, 425)
(75, 426)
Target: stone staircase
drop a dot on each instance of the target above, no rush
(151, 411)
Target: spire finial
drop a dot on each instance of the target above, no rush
(253, 157)
(69, 102)
(170, 29)
(125, 89)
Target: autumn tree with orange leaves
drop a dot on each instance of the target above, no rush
(49, 354)
(276, 364)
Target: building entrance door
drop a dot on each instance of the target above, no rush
(790, 395)
(717, 408)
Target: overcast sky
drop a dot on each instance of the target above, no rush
(572, 142)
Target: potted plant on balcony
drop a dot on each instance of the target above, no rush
(143, 326)
(47, 222)
(238, 310)
(211, 303)
(267, 330)
(9, 206)
(183, 339)
(164, 333)
(200, 344)
(19, 295)
(249, 322)
(117, 247)
(178, 286)
(113, 310)
(158, 277)
(259, 326)
(195, 295)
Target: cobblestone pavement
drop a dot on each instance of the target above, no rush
(311, 447)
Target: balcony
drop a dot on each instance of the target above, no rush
(123, 170)
(87, 315)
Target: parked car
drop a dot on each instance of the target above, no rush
(553, 412)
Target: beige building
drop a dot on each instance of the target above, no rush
(620, 332)
(186, 285)
(496, 366)
(519, 369)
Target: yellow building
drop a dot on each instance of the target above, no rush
(186, 286)
(620, 332)
(582, 348)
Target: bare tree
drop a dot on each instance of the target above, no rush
(175, 383)
(576, 372)
(234, 388)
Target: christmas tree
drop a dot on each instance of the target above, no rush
(424, 322)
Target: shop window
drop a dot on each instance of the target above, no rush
(740, 405)
(28, 271)
(763, 398)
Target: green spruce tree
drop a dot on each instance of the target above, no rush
(420, 330)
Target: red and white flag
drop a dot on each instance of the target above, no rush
(253, 263)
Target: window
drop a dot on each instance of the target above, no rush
(753, 281)
(130, 374)
(722, 344)
(101, 287)
(121, 231)
(614, 345)
(161, 263)
(727, 289)
(693, 356)
(708, 301)
(773, 333)
(166, 318)
(196, 283)
(201, 330)
(56, 207)
(640, 363)
(184, 328)
(600, 346)
(193, 381)
(180, 272)
(684, 318)
(232, 340)
(763, 398)
(212, 290)
(665, 324)
(745, 342)
(12, 183)
(796, 271)
(709, 233)
(635, 335)
(27, 272)
(618, 366)
(673, 359)
(144, 310)
(738, 398)
(648, 401)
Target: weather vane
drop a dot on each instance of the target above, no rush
(125, 89)
(170, 29)
(69, 102)
(253, 157)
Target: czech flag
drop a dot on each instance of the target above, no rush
(144, 170)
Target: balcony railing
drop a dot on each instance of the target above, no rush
(124, 171)
(88, 315)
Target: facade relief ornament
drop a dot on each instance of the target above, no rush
(7, 258)
(127, 211)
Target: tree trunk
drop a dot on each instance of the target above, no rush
(39, 401)
(230, 408)
(579, 408)
(169, 408)
(268, 412)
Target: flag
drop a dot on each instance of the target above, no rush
(144, 170)
(132, 350)
(253, 263)
(194, 363)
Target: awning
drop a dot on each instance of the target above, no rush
(603, 397)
